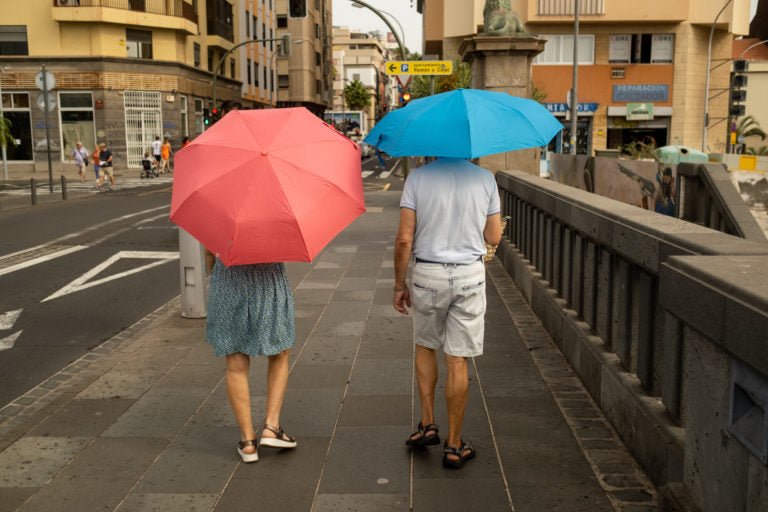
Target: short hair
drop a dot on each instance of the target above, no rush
(229, 105)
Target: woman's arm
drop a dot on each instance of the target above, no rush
(210, 260)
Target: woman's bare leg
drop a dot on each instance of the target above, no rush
(240, 397)
(277, 380)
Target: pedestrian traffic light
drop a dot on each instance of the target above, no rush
(206, 117)
(297, 9)
(214, 115)
(284, 46)
(737, 94)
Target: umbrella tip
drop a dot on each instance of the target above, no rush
(264, 152)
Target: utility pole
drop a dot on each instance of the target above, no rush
(3, 142)
(574, 94)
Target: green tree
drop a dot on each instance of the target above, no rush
(749, 126)
(459, 79)
(6, 137)
(356, 95)
(761, 151)
(539, 92)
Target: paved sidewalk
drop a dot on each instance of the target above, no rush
(143, 423)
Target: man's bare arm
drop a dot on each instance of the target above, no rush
(492, 231)
(403, 246)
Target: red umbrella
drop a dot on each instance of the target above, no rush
(267, 185)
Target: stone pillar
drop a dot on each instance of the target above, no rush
(503, 64)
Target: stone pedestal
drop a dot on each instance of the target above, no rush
(503, 64)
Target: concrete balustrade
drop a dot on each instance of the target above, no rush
(656, 315)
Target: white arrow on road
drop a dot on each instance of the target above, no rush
(82, 282)
(7, 320)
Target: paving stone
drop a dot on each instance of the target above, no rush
(350, 469)
(310, 412)
(191, 376)
(168, 502)
(200, 460)
(108, 468)
(335, 350)
(622, 481)
(381, 377)
(636, 495)
(312, 296)
(593, 433)
(82, 417)
(311, 376)
(362, 296)
(32, 461)
(145, 417)
(375, 410)
(125, 383)
(358, 283)
(12, 498)
(616, 468)
(358, 502)
(600, 444)
(471, 495)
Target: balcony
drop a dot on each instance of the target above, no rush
(171, 14)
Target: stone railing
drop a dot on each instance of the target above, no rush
(639, 304)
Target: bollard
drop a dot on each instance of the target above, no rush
(33, 189)
(194, 292)
(63, 187)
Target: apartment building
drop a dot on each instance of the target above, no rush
(304, 79)
(257, 20)
(755, 52)
(361, 56)
(642, 65)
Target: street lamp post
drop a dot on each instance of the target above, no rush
(3, 142)
(706, 81)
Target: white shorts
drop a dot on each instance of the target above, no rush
(449, 307)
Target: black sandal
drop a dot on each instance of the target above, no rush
(424, 439)
(247, 457)
(459, 452)
(281, 439)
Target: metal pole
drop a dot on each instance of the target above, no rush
(224, 57)
(4, 141)
(574, 94)
(47, 132)
(431, 85)
(706, 81)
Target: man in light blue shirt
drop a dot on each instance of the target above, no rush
(448, 210)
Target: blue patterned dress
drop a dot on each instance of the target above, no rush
(250, 310)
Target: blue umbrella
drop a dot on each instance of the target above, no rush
(465, 123)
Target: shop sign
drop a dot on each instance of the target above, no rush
(563, 107)
(662, 48)
(646, 92)
(639, 111)
(618, 48)
(418, 67)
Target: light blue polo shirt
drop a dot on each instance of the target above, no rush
(452, 199)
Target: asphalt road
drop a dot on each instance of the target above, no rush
(72, 273)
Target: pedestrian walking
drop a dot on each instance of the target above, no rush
(105, 165)
(448, 210)
(184, 142)
(251, 313)
(165, 154)
(95, 159)
(80, 156)
(157, 150)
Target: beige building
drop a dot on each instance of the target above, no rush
(257, 20)
(361, 56)
(651, 53)
(756, 104)
(305, 77)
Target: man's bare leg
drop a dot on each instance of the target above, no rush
(426, 378)
(456, 391)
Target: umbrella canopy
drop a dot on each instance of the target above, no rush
(267, 185)
(465, 123)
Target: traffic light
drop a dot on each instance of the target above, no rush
(405, 98)
(284, 46)
(206, 117)
(214, 115)
(737, 94)
(297, 9)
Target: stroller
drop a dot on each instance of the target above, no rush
(149, 168)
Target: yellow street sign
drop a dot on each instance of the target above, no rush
(418, 67)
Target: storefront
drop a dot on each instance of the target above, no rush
(561, 142)
(16, 110)
(645, 125)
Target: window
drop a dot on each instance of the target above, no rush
(263, 30)
(356, 76)
(232, 68)
(250, 77)
(257, 73)
(219, 14)
(210, 60)
(196, 51)
(282, 81)
(317, 58)
(13, 40)
(198, 116)
(265, 76)
(248, 25)
(255, 35)
(641, 48)
(317, 30)
(183, 110)
(138, 43)
(76, 111)
(317, 86)
(16, 109)
(282, 21)
(559, 50)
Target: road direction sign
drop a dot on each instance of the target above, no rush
(51, 102)
(50, 81)
(418, 67)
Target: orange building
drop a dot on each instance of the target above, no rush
(642, 65)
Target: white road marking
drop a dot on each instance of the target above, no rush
(42, 259)
(386, 174)
(9, 318)
(8, 341)
(367, 173)
(82, 283)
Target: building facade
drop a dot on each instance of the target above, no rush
(257, 20)
(305, 78)
(360, 56)
(755, 52)
(642, 66)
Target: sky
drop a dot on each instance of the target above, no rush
(344, 15)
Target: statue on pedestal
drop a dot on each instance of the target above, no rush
(500, 20)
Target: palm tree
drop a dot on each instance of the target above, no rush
(6, 137)
(749, 126)
(761, 151)
(459, 79)
(356, 95)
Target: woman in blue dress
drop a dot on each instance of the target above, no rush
(251, 313)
